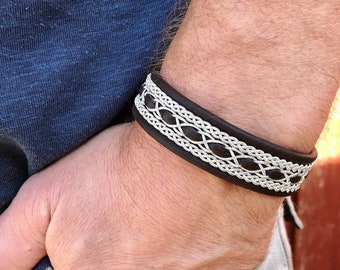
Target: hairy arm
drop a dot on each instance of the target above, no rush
(122, 201)
(269, 67)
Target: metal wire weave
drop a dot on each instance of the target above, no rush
(182, 119)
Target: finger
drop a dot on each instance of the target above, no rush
(23, 227)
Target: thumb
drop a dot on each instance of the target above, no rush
(23, 227)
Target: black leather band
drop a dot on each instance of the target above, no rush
(250, 164)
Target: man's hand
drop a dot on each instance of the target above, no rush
(122, 201)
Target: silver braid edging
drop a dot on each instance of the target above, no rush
(211, 134)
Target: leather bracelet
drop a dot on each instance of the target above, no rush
(217, 146)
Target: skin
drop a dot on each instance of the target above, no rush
(122, 201)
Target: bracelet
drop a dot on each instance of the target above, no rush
(217, 146)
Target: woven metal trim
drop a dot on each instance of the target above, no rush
(215, 147)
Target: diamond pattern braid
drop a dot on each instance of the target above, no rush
(215, 147)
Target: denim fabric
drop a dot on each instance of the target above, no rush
(67, 71)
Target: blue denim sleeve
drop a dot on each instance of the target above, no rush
(67, 71)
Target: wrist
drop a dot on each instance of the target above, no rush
(240, 219)
(160, 160)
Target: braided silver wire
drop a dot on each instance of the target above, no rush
(211, 134)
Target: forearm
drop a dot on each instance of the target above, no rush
(270, 68)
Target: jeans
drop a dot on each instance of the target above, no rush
(68, 69)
